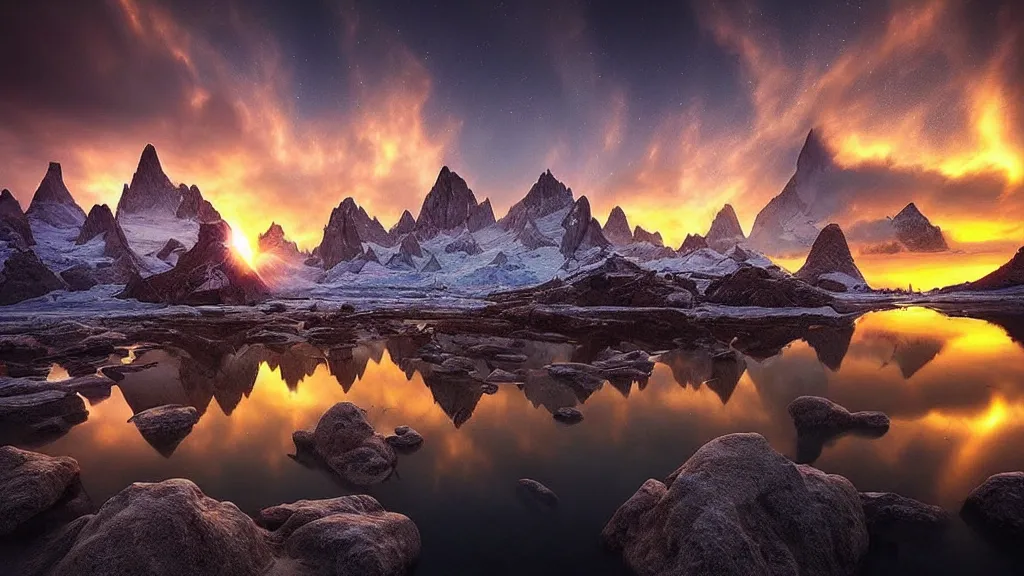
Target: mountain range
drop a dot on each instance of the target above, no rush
(167, 243)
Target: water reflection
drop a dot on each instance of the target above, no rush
(954, 388)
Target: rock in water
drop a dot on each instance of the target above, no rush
(616, 228)
(568, 415)
(14, 226)
(737, 507)
(164, 427)
(652, 238)
(500, 259)
(582, 231)
(916, 232)
(819, 420)
(447, 206)
(725, 230)
(481, 216)
(209, 273)
(692, 243)
(167, 528)
(538, 492)
(1008, 275)
(546, 196)
(53, 204)
(342, 238)
(31, 484)
(150, 191)
(405, 438)
(996, 508)
(350, 535)
(815, 415)
(25, 276)
(894, 518)
(349, 446)
(830, 260)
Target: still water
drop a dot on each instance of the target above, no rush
(954, 388)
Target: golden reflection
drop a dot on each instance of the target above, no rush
(953, 387)
(922, 271)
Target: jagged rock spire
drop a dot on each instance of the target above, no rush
(582, 231)
(52, 202)
(14, 225)
(150, 191)
(546, 196)
(725, 231)
(616, 228)
(447, 206)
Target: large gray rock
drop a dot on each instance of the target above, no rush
(737, 507)
(348, 445)
(346, 536)
(996, 508)
(894, 518)
(31, 484)
(816, 415)
(164, 427)
(168, 528)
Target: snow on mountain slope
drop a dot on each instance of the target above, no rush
(147, 233)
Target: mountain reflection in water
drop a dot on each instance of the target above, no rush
(953, 387)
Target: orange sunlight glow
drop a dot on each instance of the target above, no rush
(241, 245)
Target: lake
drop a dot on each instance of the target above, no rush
(953, 387)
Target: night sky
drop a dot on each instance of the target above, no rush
(279, 110)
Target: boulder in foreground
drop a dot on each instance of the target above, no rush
(31, 484)
(996, 508)
(738, 507)
(350, 535)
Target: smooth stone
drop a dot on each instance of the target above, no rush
(164, 529)
(568, 415)
(30, 484)
(538, 491)
(996, 508)
(894, 518)
(346, 536)
(816, 415)
(405, 439)
(738, 507)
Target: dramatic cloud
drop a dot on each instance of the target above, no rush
(669, 110)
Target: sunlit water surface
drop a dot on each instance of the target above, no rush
(953, 387)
